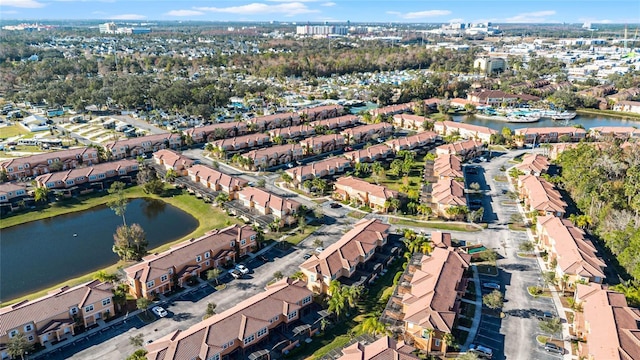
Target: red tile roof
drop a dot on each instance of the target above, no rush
(385, 348)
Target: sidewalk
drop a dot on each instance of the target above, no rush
(473, 331)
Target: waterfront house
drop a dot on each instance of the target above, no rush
(369, 154)
(145, 144)
(465, 131)
(216, 131)
(159, 273)
(234, 332)
(10, 192)
(607, 327)
(322, 144)
(621, 132)
(241, 142)
(274, 155)
(321, 112)
(337, 122)
(541, 196)
(55, 316)
(410, 122)
(215, 180)
(364, 133)
(322, 168)
(172, 160)
(575, 256)
(341, 258)
(495, 98)
(447, 193)
(383, 348)
(44, 163)
(465, 149)
(405, 107)
(273, 121)
(292, 132)
(549, 135)
(533, 164)
(99, 176)
(417, 141)
(267, 203)
(363, 193)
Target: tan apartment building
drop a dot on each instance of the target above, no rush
(337, 122)
(364, 133)
(447, 166)
(466, 131)
(465, 149)
(383, 348)
(216, 131)
(417, 141)
(238, 329)
(39, 164)
(267, 203)
(447, 193)
(494, 98)
(403, 108)
(215, 180)
(241, 142)
(621, 132)
(363, 193)
(275, 155)
(549, 135)
(608, 327)
(140, 145)
(292, 132)
(171, 160)
(411, 122)
(575, 255)
(321, 112)
(92, 176)
(322, 144)
(428, 297)
(10, 192)
(534, 164)
(540, 195)
(159, 273)
(273, 121)
(319, 169)
(369, 154)
(342, 258)
(54, 317)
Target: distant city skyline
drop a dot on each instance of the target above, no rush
(301, 11)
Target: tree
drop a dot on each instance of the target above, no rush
(468, 356)
(211, 310)
(551, 326)
(119, 202)
(170, 175)
(106, 277)
(278, 275)
(120, 295)
(448, 341)
(429, 332)
(214, 274)
(18, 346)
(140, 354)
(526, 246)
(143, 304)
(489, 255)
(4, 177)
(221, 198)
(261, 183)
(130, 242)
(148, 178)
(392, 203)
(302, 223)
(549, 278)
(137, 340)
(493, 300)
(286, 178)
(41, 194)
(372, 325)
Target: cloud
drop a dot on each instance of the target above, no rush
(184, 13)
(128, 17)
(330, 3)
(30, 4)
(287, 9)
(531, 17)
(420, 14)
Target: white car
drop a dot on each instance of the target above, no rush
(319, 249)
(491, 286)
(160, 311)
(243, 269)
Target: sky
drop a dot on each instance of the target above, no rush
(301, 11)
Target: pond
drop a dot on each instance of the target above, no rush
(43, 253)
(587, 121)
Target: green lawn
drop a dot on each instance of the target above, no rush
(356, 214)
(11, 131)
(297, 238)
(434, 225)
(618, 114)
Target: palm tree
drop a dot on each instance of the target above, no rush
(372, 325)
(214, 274)
(171, 175)
(211, 310)
(143, 304)
(448, 341)
(430, 332)
(119, 203)
(286, 178)
(337, 304)
(41, 194)
(352, 294)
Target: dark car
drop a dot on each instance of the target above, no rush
(472, 170)
(263, 258)
(553, 348)
(335, 205)
(545, 315)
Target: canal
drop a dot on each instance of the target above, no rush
(40, 254)
(587, 121)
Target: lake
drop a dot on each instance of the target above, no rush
(43, 253)
(587, 121)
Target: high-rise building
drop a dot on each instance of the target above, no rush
(321, 30)
(490, 65)
(108, 28)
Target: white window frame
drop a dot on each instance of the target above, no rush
(292, 314)
(88, 308)
(13, 333)
(151, 283)
(164, 277)
(249, 339)
(198, 258)
(243, 242)
(28, 328)
(262, 332)
(207, 255)
(106, 301)
(31, 338)
(73, 311)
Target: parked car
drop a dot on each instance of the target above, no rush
(307, 255)
(243, 269)
(235, 273)
(472, 170)
(290, 165)
(319, 249)
(491, 286)
(348, 148)
(160, 311)
(545, 315)
(481, 351)
(335, 205)
(263, 258)
(553, 348)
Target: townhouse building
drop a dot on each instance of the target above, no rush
(172, 160)
(369, 154)
(321, 112)
(496, 98)
(622, 132)
(319, 169)
(364, 133)
(549, 135)
(10, 193)
(363, 193)
(216, 131)
(35, 165)
(534, 164)
(234, 333)
(322, 144)
(541, 196)
(403, 108)
(292, 132)
(465, 149)
(427, 300)
(341, 259)
(141, 145)
(273, 121)
(215, 180)
(466, 131)
(447, 193)
(99, 176)
(241, 142)
(274, 155)
(56, 316)
(417, 141)
(159, 273)
(627, 106)
(267, 203)
(447, 166)
(608, 327)
(337, 122)
(411, 122)
(575, 256)
(383, 348)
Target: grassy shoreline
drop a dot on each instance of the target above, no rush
(611, 113)
(208, 218)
